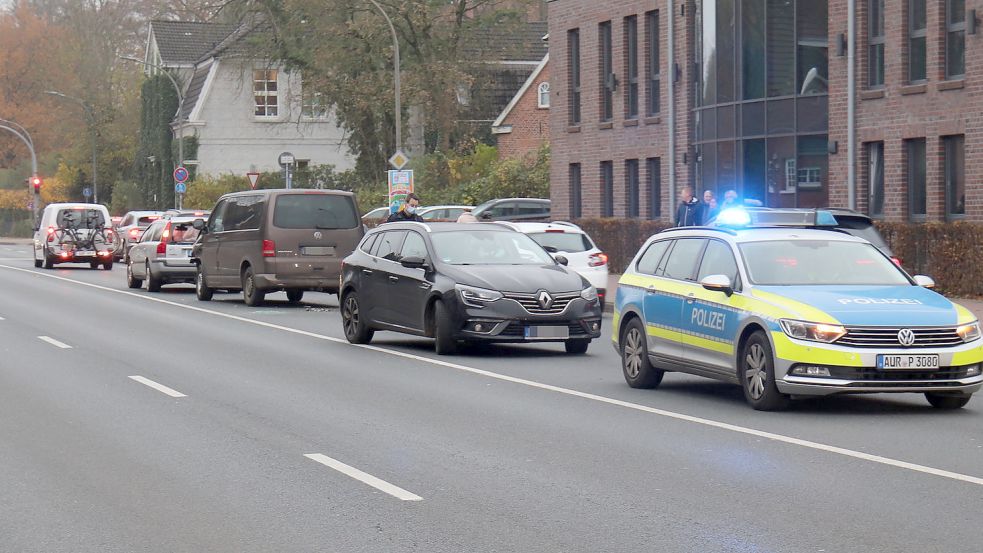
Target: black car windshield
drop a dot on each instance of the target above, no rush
(484, 247)
(314, 211)
(570, 242)
(818, 262)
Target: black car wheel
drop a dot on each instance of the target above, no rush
(252, 295)
(132, 281)
(444, 331)
(635, 363)
(294, 296)
(576, 346)
(153, 283)
(943, 401)
(202, 291)
(356, 329)
(757, 372)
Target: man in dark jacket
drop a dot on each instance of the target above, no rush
(690, 210)
(408, 211)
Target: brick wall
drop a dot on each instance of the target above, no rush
(529, 122)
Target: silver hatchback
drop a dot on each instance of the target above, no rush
(163, 254)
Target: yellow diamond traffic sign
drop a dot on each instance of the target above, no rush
(399, 159)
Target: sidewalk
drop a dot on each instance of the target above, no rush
(20, 242)
(974, 305)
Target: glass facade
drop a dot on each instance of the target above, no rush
(762, 112)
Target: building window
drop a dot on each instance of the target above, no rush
(955, 176)
(875, 179)
(955, 38)
(652, 46)
(265, 92)
(573, 74)
(543, 95)
(314, 106)
(917, 186)
(607, 71)
(607, 189)
(631, 66)
(875, 43)
(812, 55)
(575, 197)
(653, 171)
(631, 187)
(917, 32)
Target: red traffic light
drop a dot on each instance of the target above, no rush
(36, 184)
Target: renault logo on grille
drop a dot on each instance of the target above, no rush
(906, 337)
(318, 235)
(545, 299)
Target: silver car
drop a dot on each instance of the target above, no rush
(130, 229)
(163, 254)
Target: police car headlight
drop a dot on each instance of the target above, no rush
(589, 294)
(816, 332)
(969, 332)
(477, 297)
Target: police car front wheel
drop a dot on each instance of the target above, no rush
(757, 372)
(944, 401)
(635, 363)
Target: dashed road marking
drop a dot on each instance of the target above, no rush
(159, 387)
(364, 477)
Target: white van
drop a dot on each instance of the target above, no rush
(74, 233)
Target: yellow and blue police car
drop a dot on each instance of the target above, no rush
(784, 305)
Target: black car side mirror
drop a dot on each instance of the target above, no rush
(486, 216)
(413, 262)
(562, 260)
(199, 225)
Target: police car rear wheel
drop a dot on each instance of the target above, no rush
(635, 363)
(758, 375)
(942, 401)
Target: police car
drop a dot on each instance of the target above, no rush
(782, 304)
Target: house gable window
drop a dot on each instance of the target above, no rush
(543, 95)
(266, 93)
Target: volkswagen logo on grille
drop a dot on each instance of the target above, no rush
(906, 337)
(318, 235)
(545, 300)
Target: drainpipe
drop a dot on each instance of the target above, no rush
(670, 8)
(851, 68)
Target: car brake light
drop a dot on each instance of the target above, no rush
(199, 213)
(269, 248)
(134, 233)
(161, 248)
(559, 231)
(598, 259)
(162, 245)
(51, 234)
(896, 260)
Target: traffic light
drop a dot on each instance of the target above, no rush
(36, 184)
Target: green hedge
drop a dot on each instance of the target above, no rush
(946, 252)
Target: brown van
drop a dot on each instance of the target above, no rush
(268, 240)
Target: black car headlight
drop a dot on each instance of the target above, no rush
(477, 297)
(969, 332)
(816, 332)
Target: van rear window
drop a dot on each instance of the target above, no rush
(314, 211)
(80, 218)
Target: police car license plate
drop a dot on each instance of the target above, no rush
(547, 332)
(907, 361)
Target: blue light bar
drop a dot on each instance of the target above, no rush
(749, 217)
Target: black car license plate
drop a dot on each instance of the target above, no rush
(906, 361)
(541, 331)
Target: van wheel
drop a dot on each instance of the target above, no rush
(757, 372)
(576, 346)
(202, 291)
(943, 401)
(635, 362)
(48, 262)
(444, 332)
(294, 296)
(357, 330)
(132, 281)
(153, 283)
(108, 266)
(252, 295)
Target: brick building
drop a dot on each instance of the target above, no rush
(650, 96)
(523, 126)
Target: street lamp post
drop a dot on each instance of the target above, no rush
(25, 137)
(399, 111)
(180, 105)
(90, 115)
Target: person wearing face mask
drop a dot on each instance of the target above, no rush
(407, 212)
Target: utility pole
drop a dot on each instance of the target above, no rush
(90, 115)
(399, 112)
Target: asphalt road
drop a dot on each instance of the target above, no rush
(154, 422)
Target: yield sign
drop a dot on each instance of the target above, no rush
(253, 179)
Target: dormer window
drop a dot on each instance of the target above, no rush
(544, 95)
(265, 93)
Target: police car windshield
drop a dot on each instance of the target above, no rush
(488, 248)
(818, 262)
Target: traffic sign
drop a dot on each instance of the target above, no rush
(286, 158)
(180, 188)
(253, 179)
(87, 192)
(399, 159)
(181, 174)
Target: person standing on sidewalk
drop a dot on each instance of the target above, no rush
(690, 210)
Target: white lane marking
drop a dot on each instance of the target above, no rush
(159, 387)
(2, 319)
(54, 342)
(16, 259)
(364, 477)
(566, 391)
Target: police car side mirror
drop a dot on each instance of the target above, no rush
(924, 281)
(718, 283)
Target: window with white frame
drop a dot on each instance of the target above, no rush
(265, 92)
(314, 107)
(544, 95)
